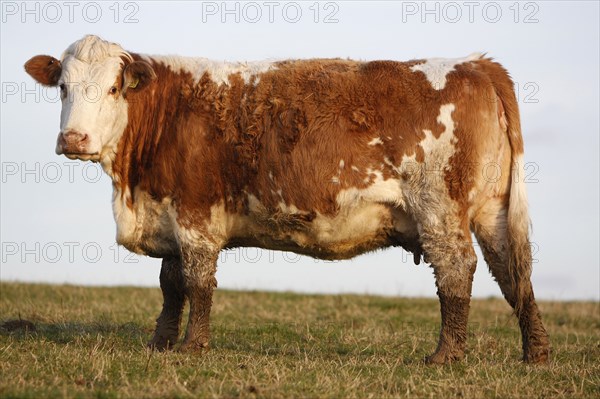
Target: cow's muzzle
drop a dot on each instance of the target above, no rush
(74, 145)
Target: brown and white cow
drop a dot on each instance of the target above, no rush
(329, 158)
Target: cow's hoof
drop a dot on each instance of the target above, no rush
(161, 343)
(193, 347)
(539, 355)
(443, 357)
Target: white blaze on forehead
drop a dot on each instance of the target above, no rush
(90, 77)
(436, 69)
(92, 49)
(219, 71)
(92, 61)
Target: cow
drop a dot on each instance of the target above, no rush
(329, 158)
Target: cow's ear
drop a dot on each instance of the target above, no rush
(137, 75)
(44, 69)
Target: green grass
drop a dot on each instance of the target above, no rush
(90, 342)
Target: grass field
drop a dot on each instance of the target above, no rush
(90, 342)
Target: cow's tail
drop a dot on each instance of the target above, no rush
(520, 258)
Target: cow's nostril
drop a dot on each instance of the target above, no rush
(74, 137)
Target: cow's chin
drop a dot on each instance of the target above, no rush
(94, 157)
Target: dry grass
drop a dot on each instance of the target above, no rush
(89, 342)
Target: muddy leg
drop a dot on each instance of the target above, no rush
(490, 230)
(536, 344)
(199, 267)
(453, 260)
(167, 324)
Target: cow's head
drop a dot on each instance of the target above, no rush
(93, 76)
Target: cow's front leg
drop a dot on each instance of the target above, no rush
(199, 267)
(172, 286)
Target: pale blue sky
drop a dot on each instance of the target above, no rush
(65, 218)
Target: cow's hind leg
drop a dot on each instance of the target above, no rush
(199, 267)
(490, 227)
(447, 246)
(172, 286)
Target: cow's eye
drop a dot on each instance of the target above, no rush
(113, 90)
(63, 88)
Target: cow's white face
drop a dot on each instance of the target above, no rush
(94, 113)
(93, 77)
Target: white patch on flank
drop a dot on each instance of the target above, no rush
(382, 191)
(446, 140)
(342, 164)
(427, 176)
(375, 141)
(355, 168)
(436, 69)
(371, 174)
(437, 151)
(219, 71)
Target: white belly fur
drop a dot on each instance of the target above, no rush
(363, 223)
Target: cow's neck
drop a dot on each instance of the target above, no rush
(147, 151)
(178, 136)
